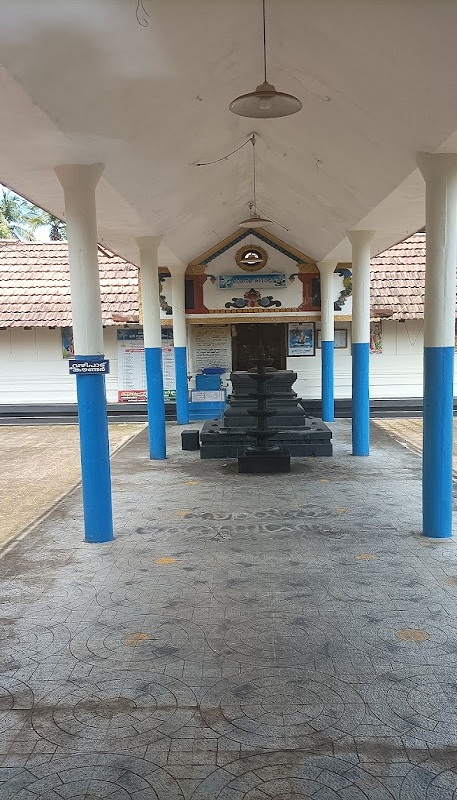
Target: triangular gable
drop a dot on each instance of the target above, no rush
(260, 233)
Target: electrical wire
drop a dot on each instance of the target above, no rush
(264, 43)
(223, 158)
(253, 165)
(140, 10)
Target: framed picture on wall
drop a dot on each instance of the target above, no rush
(301, 339)
(341, 338)
(376, 337)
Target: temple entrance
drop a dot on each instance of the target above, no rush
(248, 340)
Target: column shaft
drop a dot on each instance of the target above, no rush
(360, 241)
(180, 345)
(327, 271)
(440, 174)
(148, 247)
(79, 182)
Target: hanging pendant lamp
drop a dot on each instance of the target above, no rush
(265, 102)
(254, 220)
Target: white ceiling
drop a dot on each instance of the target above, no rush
(83, 82)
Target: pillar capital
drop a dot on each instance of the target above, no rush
(148, 244)
(437, 166)
(177, 269)
(72, 176)
(326, 267)
(360, 238)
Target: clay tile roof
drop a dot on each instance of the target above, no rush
(35, 285)
(398, 279)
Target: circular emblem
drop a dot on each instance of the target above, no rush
(250, 258)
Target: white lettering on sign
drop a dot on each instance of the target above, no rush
(88, 367)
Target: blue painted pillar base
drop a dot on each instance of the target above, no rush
(156, 403)
(182, 393)
(95, 465)
(361, 399)
(328, 401)
(437, 441)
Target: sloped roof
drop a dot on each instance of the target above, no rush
(398, 279)
(35, 285)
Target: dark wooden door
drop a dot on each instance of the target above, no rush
(249, 339)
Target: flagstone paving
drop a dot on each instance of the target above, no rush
(40, 463)
(408, 430)
(243, 638)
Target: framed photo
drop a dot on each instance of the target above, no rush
(376, 337)
(341, 338)
(68, 347)
(300, 339)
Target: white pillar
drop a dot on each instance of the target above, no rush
(360, 241)
(179, 305)
(148, 247)
(440, 174)
(79, 182)
(180, 342)
(327, 271)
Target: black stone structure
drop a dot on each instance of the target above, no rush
(297, 433)
(263, 457)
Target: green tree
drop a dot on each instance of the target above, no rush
(57, 228)
(20, 219)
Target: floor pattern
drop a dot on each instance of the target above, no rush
(243, 638)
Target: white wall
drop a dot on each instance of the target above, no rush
(32, 369)
(394, 373)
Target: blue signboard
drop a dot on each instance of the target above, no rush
(276, 279)
(89, 367)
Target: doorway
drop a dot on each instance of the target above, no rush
(248, 340)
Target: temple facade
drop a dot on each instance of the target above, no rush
(251, 291)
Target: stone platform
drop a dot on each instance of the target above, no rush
(313, 439)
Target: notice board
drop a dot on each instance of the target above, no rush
(132, 368)
(212, 347)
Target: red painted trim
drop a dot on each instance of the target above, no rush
(199, 307)
(306, 279)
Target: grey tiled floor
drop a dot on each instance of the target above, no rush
(243, 638)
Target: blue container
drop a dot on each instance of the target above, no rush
(213, 370)
(208, 383)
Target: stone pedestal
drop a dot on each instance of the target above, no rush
(295, 433)
(284, 401)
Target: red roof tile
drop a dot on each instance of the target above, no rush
(398, 279)
(35, 285)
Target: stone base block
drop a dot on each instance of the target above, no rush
(314, 439)
(261, 465)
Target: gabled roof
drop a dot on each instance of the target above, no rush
(398, 279)
(262, 235)
(35, 285)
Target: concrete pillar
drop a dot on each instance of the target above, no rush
(148, 247)
(440, 174)
(79, 182)
(180, 342)
(327, 271)
(360, 241)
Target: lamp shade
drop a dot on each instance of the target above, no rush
(255, 221)
(265, 103)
